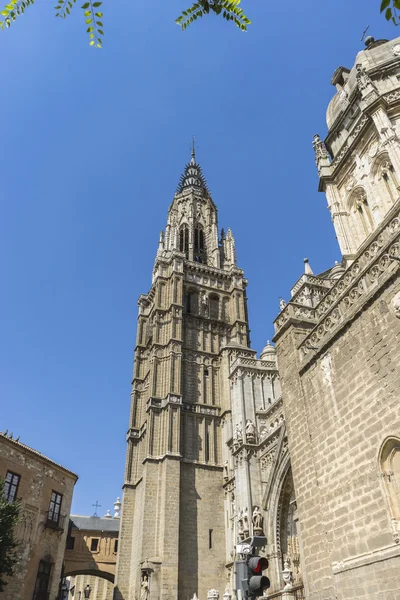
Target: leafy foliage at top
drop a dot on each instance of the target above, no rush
(390, 8)
(229, 9)
(9, 513)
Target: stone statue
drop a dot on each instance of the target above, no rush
(226, 470)
(287, 575)
(238, 435)
(204, 303)
(396, 305)
(258, 521)
(246, 528)
(240, 525)
(227, 595)
(144, 588)
(263, 432)
(195, 597)
(250, 431)
(363, 80)
(282, 303)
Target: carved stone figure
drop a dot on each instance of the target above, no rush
(226, 471)
(250, 431)
(246, 528)
(282, 303)
(287, 575)
(238, 435)
(363, 80)
(227, 594)
(240, 525)
(144, 588)
(258, 521)
(396, 305)
(195, 597)
(205, 303)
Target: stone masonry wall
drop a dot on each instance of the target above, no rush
(339, 411)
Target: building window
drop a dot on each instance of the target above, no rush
(390, 470)
(11, 486)
(115, 546)
(199, 250)
(214, 306)
(94, 545)
(184, 240)
(70, 543)
(42, 581)
(55, 507)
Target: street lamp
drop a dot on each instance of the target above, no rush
(86, 591)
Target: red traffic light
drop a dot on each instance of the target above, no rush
(257, 564)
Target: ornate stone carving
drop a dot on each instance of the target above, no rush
(258, 521)
(226, 471)
(363, 79)
(144, 587)
(212, 594)
(287, 575)
(282, 303)
(396, 305)
(250, 432)
(238, 435)
(246, 527)
(240, 528)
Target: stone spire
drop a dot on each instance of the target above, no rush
(307, 269)
(192, 176)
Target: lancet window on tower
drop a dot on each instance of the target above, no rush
(199, 249)
(364, 212)
(388, 176)
(184, 240)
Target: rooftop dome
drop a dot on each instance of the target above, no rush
(269, 352)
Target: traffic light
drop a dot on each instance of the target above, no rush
(257, 582)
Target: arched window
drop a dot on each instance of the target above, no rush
(184, 240)
(214, 306)
(362, 209)
(390, 469)
(389, 178)
(199, 248)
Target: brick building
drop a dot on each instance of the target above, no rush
(45, 489)
(91, 555)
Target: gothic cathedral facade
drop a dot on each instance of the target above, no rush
(216, 450)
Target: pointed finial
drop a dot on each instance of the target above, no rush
(193, 152)
(307, 269)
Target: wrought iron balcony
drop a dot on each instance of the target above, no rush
(54, 522)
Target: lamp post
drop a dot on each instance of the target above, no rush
(86, 591)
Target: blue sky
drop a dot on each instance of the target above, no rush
(92, 146)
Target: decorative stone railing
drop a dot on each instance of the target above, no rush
(312, 280)
(375, 263)
(252, 363)
(297, 311)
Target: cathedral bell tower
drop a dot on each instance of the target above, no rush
(172, 539)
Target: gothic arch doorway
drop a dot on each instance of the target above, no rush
(287, 528)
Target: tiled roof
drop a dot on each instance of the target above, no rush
(95, 523)
(19, 444)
